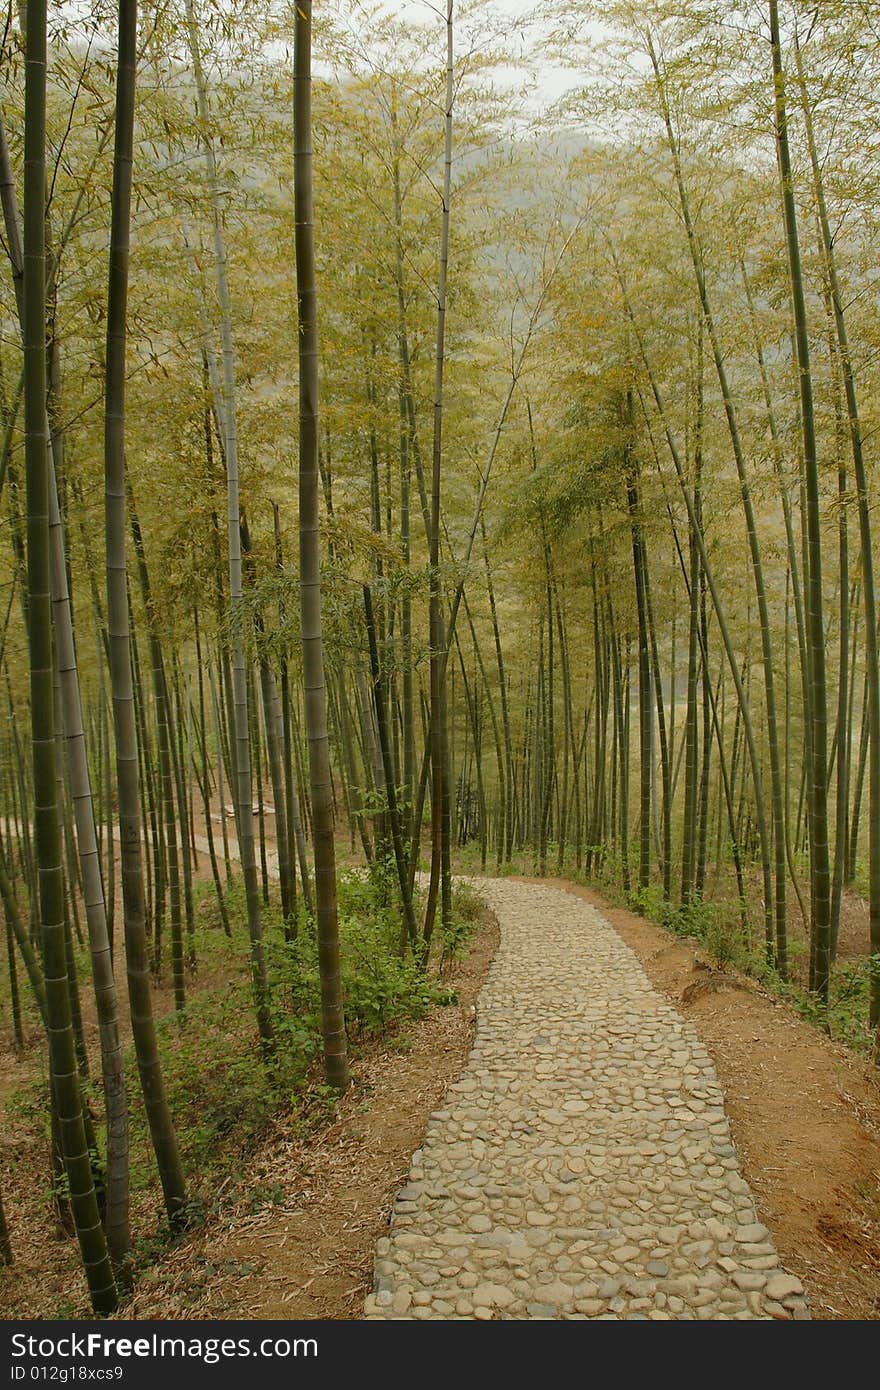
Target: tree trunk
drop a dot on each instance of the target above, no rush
(244, 793)
(646, 717)
(128, 791)
(817, 791)
(869, 603)
(62, 1053)
(440, 867)
(116, 1104)
(332, 1015)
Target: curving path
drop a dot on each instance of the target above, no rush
(582, 1164)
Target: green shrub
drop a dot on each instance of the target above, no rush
(649, 902)
(716, 926)
(467, 912)
(220, 1093)
(849, 990)
(381, 988)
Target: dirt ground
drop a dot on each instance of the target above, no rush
(805, 1115)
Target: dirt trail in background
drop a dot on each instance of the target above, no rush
(805, 1115)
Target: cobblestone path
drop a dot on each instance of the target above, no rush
(582, 1164)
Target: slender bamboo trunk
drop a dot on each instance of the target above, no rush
(728, 778)
(548, 732)
(14, 999)
(274, 743)
(690, 724)
(408, 731)
(869, 603)
(166, 786)
(116, 1104)
(567, 735)
(205, 783)
(706, 751)
(258, 806)
(817, 797)
(62, 1054)
(218, 739)
(505, 710)
(858, 790)
(286, 740)
(496, 736)
(777, 800)
(472, 758)
(138, 969)
(720, 614)
(388, 770)
(332, 1015)
(842, 744)
(19, 932)
(440, 866)
(299, 833)
(243, 784)
(665, 766)
(180, 762)
(646, 718)
(154, 851)
(623, 747)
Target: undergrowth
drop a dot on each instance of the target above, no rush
(223, 1097)
(846, 1018)
(719, 928)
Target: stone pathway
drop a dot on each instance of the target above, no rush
(582, 1164)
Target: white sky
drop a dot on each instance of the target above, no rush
(551, 80)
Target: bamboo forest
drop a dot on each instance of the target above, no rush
(439, 677)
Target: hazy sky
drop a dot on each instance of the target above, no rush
(552, 80)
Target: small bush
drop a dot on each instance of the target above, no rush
(849, 990)
(649, 902)
(221, 1095)
(467, 912)
(381, 988)
(714, 925)
(382, 985)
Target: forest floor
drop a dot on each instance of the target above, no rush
(291, 1232)
(296, 1237)
(310, 1253)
